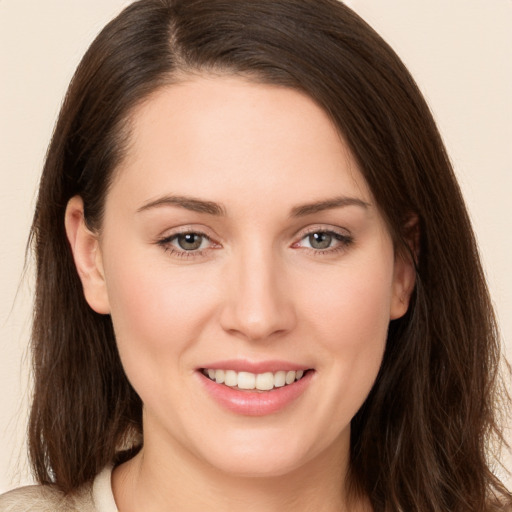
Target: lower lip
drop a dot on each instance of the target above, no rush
(251, 403)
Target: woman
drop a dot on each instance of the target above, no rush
(257, 282)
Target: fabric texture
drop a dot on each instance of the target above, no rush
(97, 497)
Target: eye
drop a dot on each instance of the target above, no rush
(187, 243)
(324, 241)
(190, 241)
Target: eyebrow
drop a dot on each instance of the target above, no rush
(189, 203)
(328, 204)
(212, 208)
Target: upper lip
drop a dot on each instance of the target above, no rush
(241, 365)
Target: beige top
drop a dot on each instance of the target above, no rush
(97, 497)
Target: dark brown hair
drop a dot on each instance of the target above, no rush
(423, 438)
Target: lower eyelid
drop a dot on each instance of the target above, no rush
(181, 253)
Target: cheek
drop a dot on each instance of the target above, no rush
(353, 307)
(351, 320)
(146, 297)
(157, 315)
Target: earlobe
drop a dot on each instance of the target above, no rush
(403, 285)
(87, 256)
(404, 276)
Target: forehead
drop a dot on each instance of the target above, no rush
(231, 136)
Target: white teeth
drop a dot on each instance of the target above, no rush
(231, 378)
(246, 380)
(290, 377)
(218, 376)
(265, 381)
(261, 381)
(279, 379)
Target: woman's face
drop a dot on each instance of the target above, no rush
(241, 247)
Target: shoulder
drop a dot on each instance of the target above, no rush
(44, 498)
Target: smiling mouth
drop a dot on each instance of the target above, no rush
(270, 388)
(246, 381)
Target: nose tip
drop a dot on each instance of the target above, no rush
(258, 306)
(254, 325)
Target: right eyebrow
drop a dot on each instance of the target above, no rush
(187, 202)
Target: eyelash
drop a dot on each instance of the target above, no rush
(166, 244)
(344, 241)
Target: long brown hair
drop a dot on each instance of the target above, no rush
(422, 439)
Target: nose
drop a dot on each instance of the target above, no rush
(259, 305)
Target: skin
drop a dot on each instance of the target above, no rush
(255, 290)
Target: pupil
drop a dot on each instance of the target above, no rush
(190, 241)
(320, 240)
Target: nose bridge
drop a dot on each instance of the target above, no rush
(258, 305)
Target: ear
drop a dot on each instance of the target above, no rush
(87, 255)
(404, 276)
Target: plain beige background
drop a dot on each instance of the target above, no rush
(458, 50)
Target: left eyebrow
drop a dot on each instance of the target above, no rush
(328, 204)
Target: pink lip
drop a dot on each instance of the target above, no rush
(255, 403)
(253, 366)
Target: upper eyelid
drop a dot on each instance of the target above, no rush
(183, 230)
(323, 229)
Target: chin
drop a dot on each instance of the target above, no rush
(254, 455)
(266, 466)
